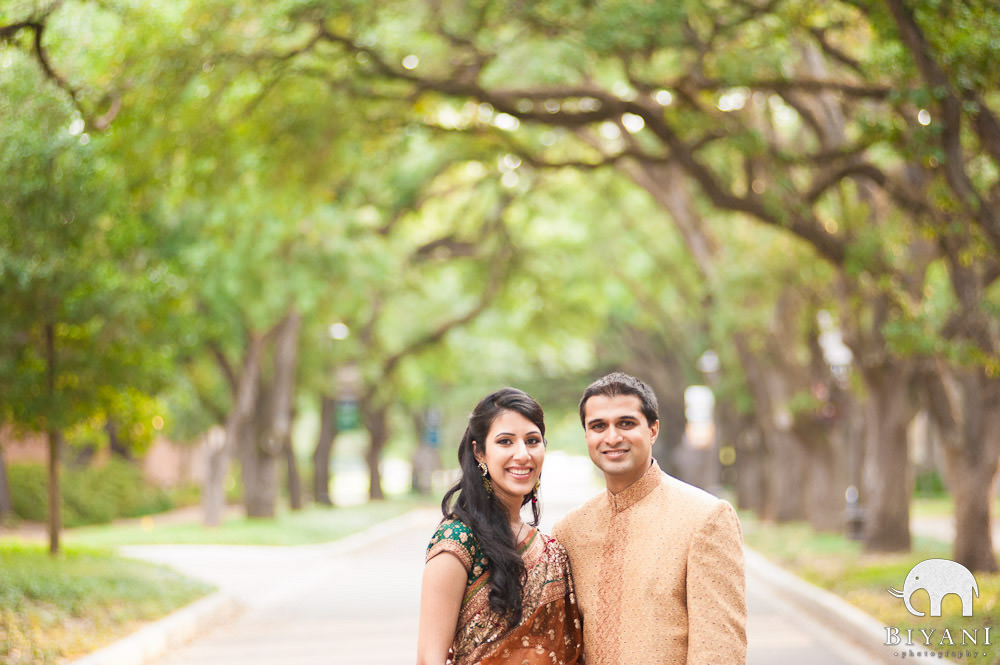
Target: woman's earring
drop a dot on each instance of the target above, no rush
(534, 491)
(486, 478)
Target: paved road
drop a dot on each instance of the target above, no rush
(355, 602)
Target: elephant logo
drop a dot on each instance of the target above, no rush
(939, 578)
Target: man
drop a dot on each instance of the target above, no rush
(658, 564)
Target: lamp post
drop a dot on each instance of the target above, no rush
(698, 457)
(348, 381)
(331, 417)
(427, 457)
(838, 357)
(708, 365)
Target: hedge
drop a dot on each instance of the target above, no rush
(90, 495)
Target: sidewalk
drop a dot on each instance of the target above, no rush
(943, 528)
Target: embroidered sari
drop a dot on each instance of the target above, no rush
(550, 631)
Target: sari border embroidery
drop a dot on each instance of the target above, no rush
(451, 547)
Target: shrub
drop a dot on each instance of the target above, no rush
(930, 484)
(92, 495)
(185, 495)
(28, 491)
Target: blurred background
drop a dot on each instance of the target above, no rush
(269, 255)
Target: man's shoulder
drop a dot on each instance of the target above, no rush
(680, 495)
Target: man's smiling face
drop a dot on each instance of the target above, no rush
(619, 439)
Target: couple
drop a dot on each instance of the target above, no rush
(657, 565)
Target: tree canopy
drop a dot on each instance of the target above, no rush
(499, 192)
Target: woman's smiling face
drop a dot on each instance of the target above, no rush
(513, 453)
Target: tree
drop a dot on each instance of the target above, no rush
(951, 142)
(79, 308)
(853, 133)
(382, 354)
(815, 69)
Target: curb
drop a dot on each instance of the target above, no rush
(864, 630)
(154, 640)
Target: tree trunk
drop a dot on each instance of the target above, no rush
(213, 495)
(751, 471)
(376, 420)
(785, 462)
(55, 493)
(968, 414)
(786, 469)
(272, 424)
(118, 447)
(973, 480)
(372, 458)
(6, 505)
(826, 480)
(294, 479)
(324, 450)
(888, 478)
(55, 441)
(259, 461)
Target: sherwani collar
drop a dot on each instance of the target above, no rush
(637, 491)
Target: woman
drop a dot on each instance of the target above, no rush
(495, 589)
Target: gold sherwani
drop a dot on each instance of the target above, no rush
(659, 575)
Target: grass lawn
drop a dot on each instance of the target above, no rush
(835, 563)
(308, 526)
(54, 608)
(942, 506)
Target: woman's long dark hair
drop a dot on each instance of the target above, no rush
(482, 511)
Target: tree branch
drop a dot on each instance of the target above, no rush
(8, 32)
(38, 26)
(951, 121)
(522, 102)
(224, 366)
(819, 34)
(448, 246)
(813, 85)
(495, 281)
(417, 203)
(985, 123)
(209, 404)
(808, 229)
(806, 114)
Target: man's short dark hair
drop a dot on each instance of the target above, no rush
(619, 383)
